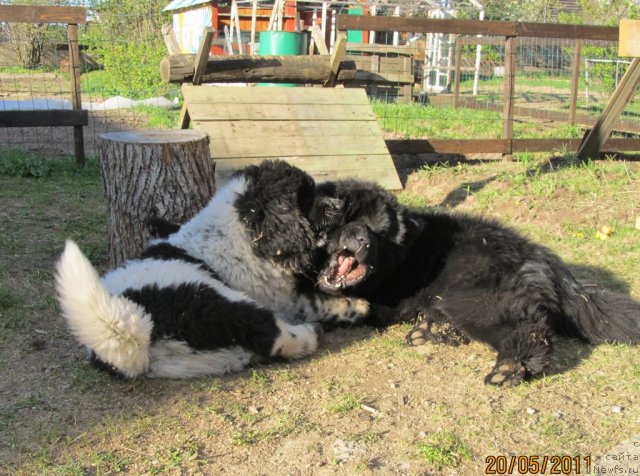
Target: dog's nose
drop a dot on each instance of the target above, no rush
(356, 238)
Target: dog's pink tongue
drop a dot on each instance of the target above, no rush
(344, 265)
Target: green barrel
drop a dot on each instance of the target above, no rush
(284, 43)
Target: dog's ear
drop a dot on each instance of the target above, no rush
(274, 210)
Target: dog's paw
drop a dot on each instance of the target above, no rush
(506, 373)
(330, 311)
(438, 333)
(296, 341)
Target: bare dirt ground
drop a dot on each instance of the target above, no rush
(365, 404)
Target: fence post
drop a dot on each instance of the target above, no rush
(76, 98)
(456, 87)
(575, 79)
(509, 89)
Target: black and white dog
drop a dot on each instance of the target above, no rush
(225, 287)
(466, 278)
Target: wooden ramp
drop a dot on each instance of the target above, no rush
(330, 133)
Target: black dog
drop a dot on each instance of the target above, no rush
(466, 278)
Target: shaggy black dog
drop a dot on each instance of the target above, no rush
(465, 278)
(221, 289)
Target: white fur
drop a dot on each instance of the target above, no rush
(173, 359)
(165, 273)
(217, 236)
(116, 329)
(295, 341)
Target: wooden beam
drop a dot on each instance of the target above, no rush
(475, 27)
(256, 69)
(500, 146)
(30, 14)
(170, 39)
(509, 89)
(601, 130)
(339, 50)
(202, 57)
(629, 44)
(458, 64)
(318, 40)
(44, 118)
(76, 97)
(575, 81)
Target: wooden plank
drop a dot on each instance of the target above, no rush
(575, 80)
(499, 146)
(381, 49)
(554, 30)
(383, 78)
(31, 14)
(263, 96)
(601, 130)
(510, 51)
(170, 39)
(425, 25)
(228, 146)
(453, 146)
(202, 57)
(475, 27)
(318, 40)
(332, 132)
(184, 119)
(236, 112)
(571, 145)
(339, 50)
(394, 63)
(322, 168)
(231, 148)
(320, 131)
(44, 118)
(629, 38)
(302, 69)
(457, 78)
(76, 98)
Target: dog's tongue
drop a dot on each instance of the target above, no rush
(344, 264)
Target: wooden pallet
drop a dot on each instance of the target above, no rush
(330, 133)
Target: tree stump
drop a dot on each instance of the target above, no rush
(163, 173)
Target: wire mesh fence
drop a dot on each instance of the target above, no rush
(422, 86)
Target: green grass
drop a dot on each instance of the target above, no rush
(18, 163)
(444, 450)
(158, 117)
(445, 122)
(345, 403)
(100, 82)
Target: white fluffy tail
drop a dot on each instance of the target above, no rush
(115, 328)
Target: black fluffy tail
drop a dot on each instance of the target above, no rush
(599, 316)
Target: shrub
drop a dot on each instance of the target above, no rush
(126, 39)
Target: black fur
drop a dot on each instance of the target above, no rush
(166, 251)
(199, 316)
(466, 277)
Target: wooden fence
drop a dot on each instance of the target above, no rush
(76, 117)
(507, 33)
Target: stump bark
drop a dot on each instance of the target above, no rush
(163, 173)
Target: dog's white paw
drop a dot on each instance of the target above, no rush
(296, 341)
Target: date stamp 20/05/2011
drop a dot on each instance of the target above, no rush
(538, 464)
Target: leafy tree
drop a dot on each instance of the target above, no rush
(125, 37)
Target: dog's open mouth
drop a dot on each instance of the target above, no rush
(344, 271)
